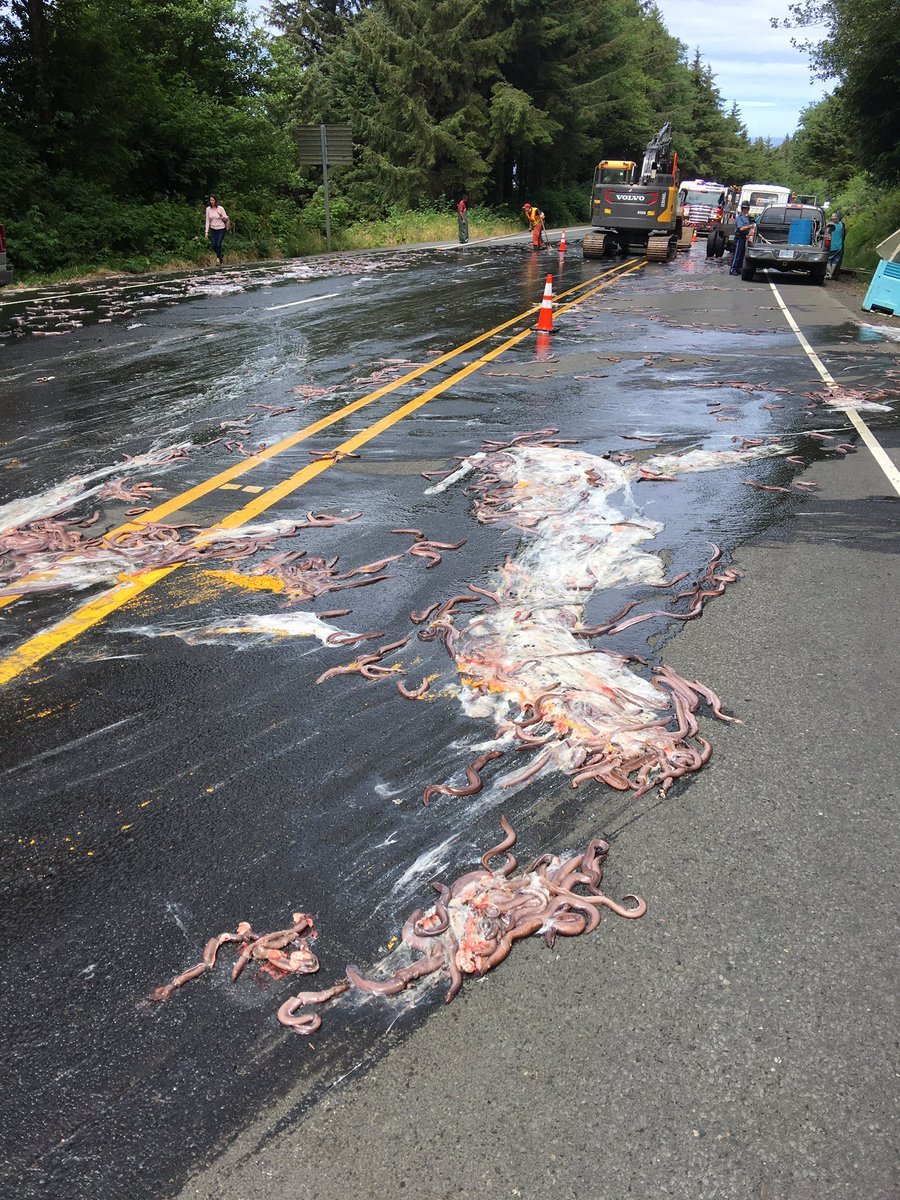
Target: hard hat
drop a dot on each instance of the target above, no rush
(526, 205)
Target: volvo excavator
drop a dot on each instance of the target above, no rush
(637, 214)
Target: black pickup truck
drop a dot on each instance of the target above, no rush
(5, 271)
(789, 237)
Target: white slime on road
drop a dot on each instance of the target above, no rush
(65, 495)
(522, 657)
(708, 460)
(249, 630)
(523, 647)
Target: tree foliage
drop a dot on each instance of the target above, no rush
(507, 98)
(860, 47)
(118, 116)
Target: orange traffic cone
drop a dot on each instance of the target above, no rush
(562, 243)
(545, 317)
(694, 238)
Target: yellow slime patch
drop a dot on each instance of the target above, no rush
(252, 583)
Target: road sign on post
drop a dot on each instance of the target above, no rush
(321, 146)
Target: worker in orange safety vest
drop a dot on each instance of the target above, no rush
(535, 219)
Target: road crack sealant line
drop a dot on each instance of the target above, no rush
(184, 499)
(97, 609)
(873, 445)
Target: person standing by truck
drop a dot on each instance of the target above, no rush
(742, 227)
(836, 250)
(216, 226)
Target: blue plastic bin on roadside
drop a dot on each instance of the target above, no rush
(800, 233)
(884, 290)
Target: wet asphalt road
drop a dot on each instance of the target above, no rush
(160, 782)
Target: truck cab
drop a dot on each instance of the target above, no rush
(702, 203)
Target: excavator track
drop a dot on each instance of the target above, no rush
(594, 245)
(661, 248)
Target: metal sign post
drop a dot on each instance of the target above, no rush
(325, 186)
(320, 145)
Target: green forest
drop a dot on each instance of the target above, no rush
(119, 117)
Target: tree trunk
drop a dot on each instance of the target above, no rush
(39, 44)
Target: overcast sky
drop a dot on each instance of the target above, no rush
(753, 63)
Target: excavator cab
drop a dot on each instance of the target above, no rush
(614, 171)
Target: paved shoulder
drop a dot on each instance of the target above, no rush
(740, 1041)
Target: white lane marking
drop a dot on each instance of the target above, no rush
(876, 449)
(825, 374)
(308, 300)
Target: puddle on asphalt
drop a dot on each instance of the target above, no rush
(853, 333)
(878, 333)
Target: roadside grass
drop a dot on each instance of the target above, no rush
(869, 225)
(398, 228)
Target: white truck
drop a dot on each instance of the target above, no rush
(759, 196)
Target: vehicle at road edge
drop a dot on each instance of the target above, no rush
(758, 196)
(789, 237)
(5, 271)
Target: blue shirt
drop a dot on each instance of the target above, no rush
(837, 237)
(741, 221)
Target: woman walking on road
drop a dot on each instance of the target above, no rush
(462, 216)
(216, 226)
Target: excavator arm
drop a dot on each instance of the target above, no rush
(658, 155)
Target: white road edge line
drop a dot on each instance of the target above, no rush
(308, 300)
(876, 449)
(99, 290)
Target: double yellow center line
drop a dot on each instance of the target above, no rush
(95, 610)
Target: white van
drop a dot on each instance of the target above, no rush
(761, 195)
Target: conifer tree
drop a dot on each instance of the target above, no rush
(710, 135)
